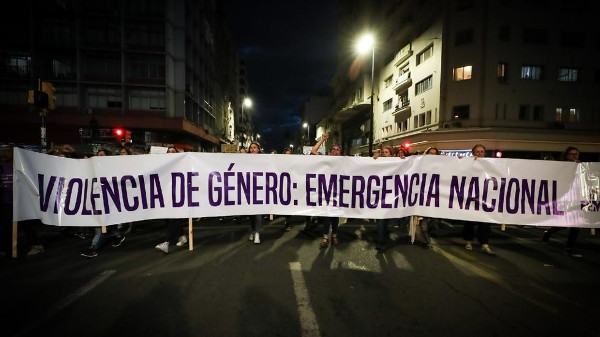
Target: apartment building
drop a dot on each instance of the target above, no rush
(165, 71)
(519, 77)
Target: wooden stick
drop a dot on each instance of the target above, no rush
(592, 231)
(190, 234)
(503, 227)
(15, 234)
(104, 230)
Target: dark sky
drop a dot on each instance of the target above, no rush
(290, 52)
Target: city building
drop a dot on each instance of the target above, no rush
(141, 72)
(519, 77)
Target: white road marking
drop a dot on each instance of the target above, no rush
(308, 320)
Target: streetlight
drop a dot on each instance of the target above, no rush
(364, 44)
(246, 102)
(307, 127)
(292, 148)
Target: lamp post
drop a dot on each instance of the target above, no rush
(307, 126)
(247, 102)
(292, 148)
(364, 44)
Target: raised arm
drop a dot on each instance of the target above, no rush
(315, 149)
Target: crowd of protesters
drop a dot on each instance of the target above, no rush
(175, 236)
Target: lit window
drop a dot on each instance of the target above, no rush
(568, 74)
(462, 73)
(531, 72)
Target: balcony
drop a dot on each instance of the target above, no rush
(402, 112)
(402, 82)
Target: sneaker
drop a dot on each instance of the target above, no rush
(335, 241)
(164, 247)
(487, 250)
(573, 253)
(257, 238)
(118, 240)
(251, 237)
(35, 250)
(288, 227)
(182, 241)
(324, 243)
(90, 252)
(468, 246)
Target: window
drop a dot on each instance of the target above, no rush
(538, 112)
(463, 37)
(387, 105)
(504, 33)
(568, 74)
(424, 85)
(388, 81)
(63, 68)
(104, 98)
(524, 112)
(502, 72)
(462, 73)
(147, 100)
(147, 67)
(531, 73)
(535, 36)
(573, 115)
(425, 54)
(460, 112)
(17, 65)
(561, 115)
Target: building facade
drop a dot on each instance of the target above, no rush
(163, 70)
(517, 76)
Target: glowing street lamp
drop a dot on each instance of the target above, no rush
(307, 127)
(365, 44)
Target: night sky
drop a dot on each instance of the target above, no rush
(290, 52)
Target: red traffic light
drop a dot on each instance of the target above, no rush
(118, 132)
(406, 146)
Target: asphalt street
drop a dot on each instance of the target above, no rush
(289, 286)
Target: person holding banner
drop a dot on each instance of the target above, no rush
(174, 227)
(382, 224)
(99, 237)
(427, 225)
(483, 229)
(571, 153)
(256, 219)
(328, 222)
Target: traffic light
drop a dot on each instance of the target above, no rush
(124, 136)
(39, 98)
(119, 133)
(50, 92)
(406, 146)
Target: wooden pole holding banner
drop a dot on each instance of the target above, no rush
(190, 235)
(414, 222)
(104, 230)
(503, 227)
(15, 234)
(592, 231)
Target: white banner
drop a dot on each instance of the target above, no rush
(110, 190)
